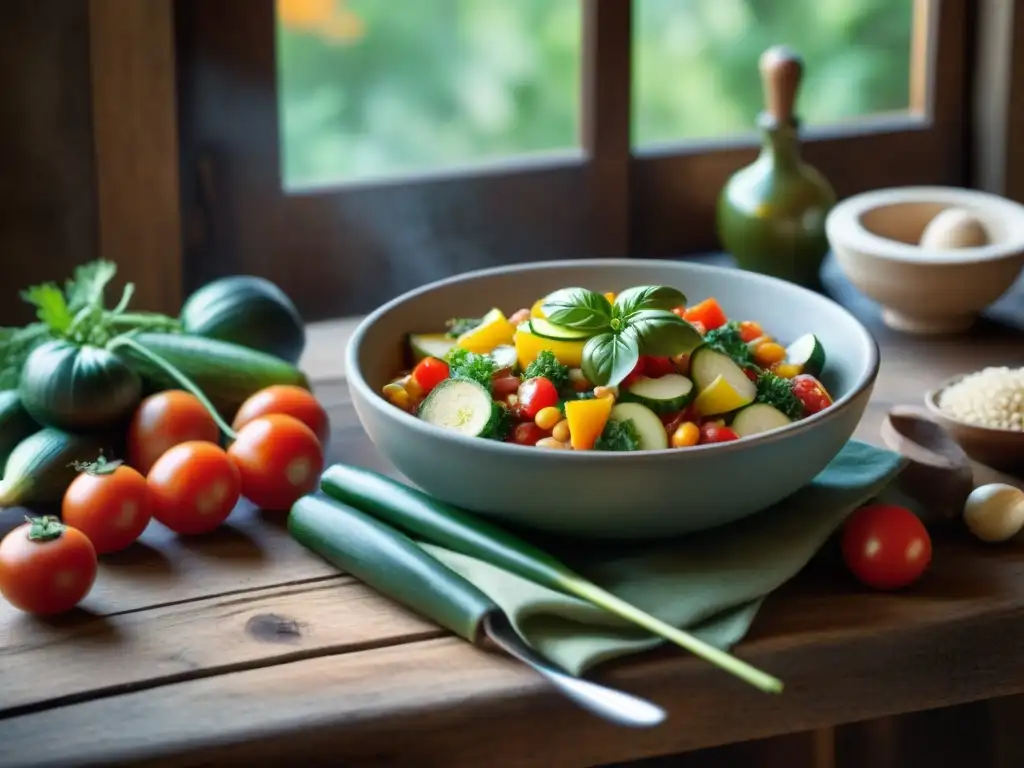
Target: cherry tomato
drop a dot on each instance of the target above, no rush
(109, 503)
(503, 386)
(708, 313)
(655, 367)
(194, 486)
(712, 432)
(429, 372)
(534, 394)
(279, 461)
(527, 433)
(46, 567)
(292, 401)
(811, 393)
(750, 330)
(164, 420)
(886, 546)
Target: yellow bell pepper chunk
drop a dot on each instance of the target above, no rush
(586, 420)
(493, 331)
(537, 311)
(529, 346)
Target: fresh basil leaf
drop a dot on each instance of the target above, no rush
(662, 333)
(578, 308)
(648, 297)
(609, 357)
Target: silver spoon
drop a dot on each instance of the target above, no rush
(616, 706)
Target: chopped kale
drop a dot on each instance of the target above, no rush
(778, 393)
(500, 424)
(618, 436)
(459, 325)
(727, 340)
(463, 364)
(547, 365)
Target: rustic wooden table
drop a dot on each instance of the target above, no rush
(243, 648)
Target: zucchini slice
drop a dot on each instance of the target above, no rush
(547, 330)
(505, 356)
(460, 405)
(808, 353)
(425, 345)
(757, 418)
(707, 364)
(665, 394)
(649, 429)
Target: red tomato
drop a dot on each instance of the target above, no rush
(640, 369)
(292, 401)
(193, 487)
(712, 432)
(429, 372)
(527, 433)
(164, 420)
(503, 386)
(655, 367)
(279, 461)
(535, 394)
(109, 505)
(885, 546)
(749, 330)
(811, 393)
(46, 567)
(708, 313)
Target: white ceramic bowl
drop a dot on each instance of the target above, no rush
(639, 494)
(874, 237)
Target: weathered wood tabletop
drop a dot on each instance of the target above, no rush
(243, 648)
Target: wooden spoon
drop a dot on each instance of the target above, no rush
(940, 475)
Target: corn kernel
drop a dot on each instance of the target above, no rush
(612, 392)
(560, 431)
(682, 363)
(686, 434)
(787, 370)
(578, 380)
(769, 352)
(547, 418)
(413, 388)
(396, 394)
(550, 442)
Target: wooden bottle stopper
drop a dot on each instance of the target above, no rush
(781, 71)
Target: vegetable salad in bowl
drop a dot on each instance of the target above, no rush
(637, 370)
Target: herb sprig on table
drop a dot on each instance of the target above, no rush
(638, 322)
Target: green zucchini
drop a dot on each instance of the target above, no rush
(430, 345)
(226, 373)
(808, 353)
(460, 405)
(389, 562)
(666, 394)
(15, 423)
(246, 310)
(649, 428)
(78, 388)
(40, 468)
(419, 515)
(757, 418)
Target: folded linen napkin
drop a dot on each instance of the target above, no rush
(712, 584)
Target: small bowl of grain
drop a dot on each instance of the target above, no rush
(984, 412)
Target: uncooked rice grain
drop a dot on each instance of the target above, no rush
(992, 397)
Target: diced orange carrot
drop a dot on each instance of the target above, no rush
(708, 313)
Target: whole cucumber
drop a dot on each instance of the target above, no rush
(15, 423)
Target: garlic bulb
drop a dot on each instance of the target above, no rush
(995, 512)
(954, 228)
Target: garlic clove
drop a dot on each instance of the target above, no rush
(995, 512)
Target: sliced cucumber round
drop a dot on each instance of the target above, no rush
(504, 356)
(707, 364)
(430, 345)
(460, 405)
(757, 418)
(808, 353)
(547, 330)
(665, 394)
(649, 429)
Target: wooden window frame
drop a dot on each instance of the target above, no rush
(346, 249)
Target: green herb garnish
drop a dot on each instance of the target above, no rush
(637, 323)
(778, 393)
(727, 340)
(463, 364)
(460, 325)
(618, 436)
(547, 365)
(500, 424)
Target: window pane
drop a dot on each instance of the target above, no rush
(376, 88)
(696, 62)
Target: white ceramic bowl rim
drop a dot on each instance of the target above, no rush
(844, 224)
(356, 379)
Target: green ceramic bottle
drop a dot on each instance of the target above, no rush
(771, 214)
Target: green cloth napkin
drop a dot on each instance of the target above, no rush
(712, 583)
